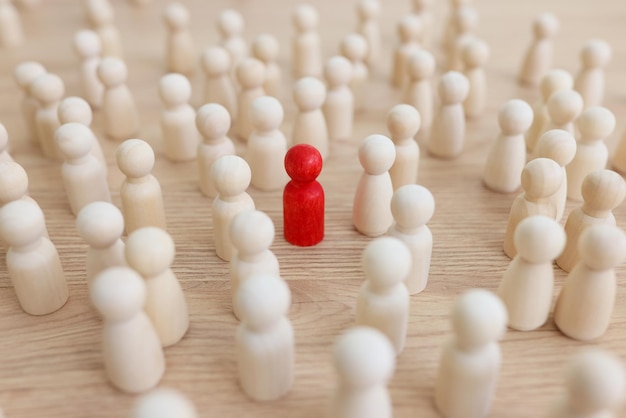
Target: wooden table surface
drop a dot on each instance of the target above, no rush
(51, 366)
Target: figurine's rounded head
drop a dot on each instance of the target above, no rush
(465, 19)
(309, 94)
(410, 28)
(453, 88)
(303, 163)
(265, 48)
(338, 71)
(215, 60)
(176, 16)
(164, 403)
(231, 175)
(118, 293)
(26, 72)
(150, 251)
(377, 154)
(564, 106)
(250, 73)
(263, 300)
(87, 44)
(364, 357)
(555, 80)
(230, 23)
(368, 9)
(475, 53)
(112, 71)
(75, 109)
(545, 25)
(266, 113)
(174, 90)
(4, 138)
(100, 12)
(13, 182)
(305, 18)
(213, 121)
(602, 246)
(386, 262)
(47, 88)
(596, 54)
(403, 121)
(603, 191)
(515, 117)
(21, 223)
(252, 232)
(541, 178)
(557, 145)
(74, 140)
(135, 158)
(421, 65)
(479, 317)
(595, 382)
(100, 224)
(412, 206)
(596, 123)
(539, 239)
(354, 47)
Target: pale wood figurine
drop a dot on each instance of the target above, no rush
(180, 134)
(474, 55)
(101, 17)
(48, 89)
(24, 74)
(88, 48)
(423, 10)
(465, 21)
(563, 109)
(310, 126)
(250, 76)
(619, 157)
(164, 403)
(121, 120)
(230, 26)
(4, 145)
(383, 302)
(538, 58)
(307, 49)
(11, 32)
(449, 34)
(419, 94)
(354, 47)
(338, 107)
(371, 211)
(594, 57)
(180, 50)
(266, 49)
(448, 132)
(403, 123)
(132, 353)
(368, 12)
(218, 85)
(412, 207)
(410, 32)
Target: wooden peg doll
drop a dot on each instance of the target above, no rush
(419, 94)
(409, 33)
(101, 17)
(354, 47)
(403, 123)
(180, 51)
(142, 200)
(594, 57)
(164, 403)
(448, 133)
(48, 89)
(465, 21)
(88, 47)
(538, 58)
(32, 259)
(230, 25)
(264, 341)
(213, 123)
(563, 109)
(310, 126)
(250, 76)
(121, 120)
(474, 54)
(150, 252)
(11, 32)
(24, 74)
(5, 156)
(412, 207)
(364, 360)
(338, 107)
(307, 54)
(265, 48)
(101, 225)
(218, 85)
(133, 356)
(368, 12)
(383, 301)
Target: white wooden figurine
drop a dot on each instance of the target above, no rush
(250, 76)
(4, 145)
(403, 123)
(338, 107)
(218, 84)
(24, 74)
(121, 120)
(410, 32)
(48, 89)
(419, 94)
(310, 126)
(11, 32)
(538, 58)
(101, 17)
(448, 132)
(465, 21)
(230, 25)
(164, 403)
(594, 57)
(368, 12)
(88, 47)
(354, 47)
(180, 134)
(474, 55)
(266, 49)
(180, 50)
(307, 49)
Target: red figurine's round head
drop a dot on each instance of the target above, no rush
(303, 162)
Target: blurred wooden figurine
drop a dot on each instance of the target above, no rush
(465, 21)
(371, 211)
(368, 12)
(303, 197)
(307, 49)
(419, 94)
(265, 48)
(528, 282)
(164, 403)
(101, 17)
(354, 47)
(449, 34)
(422, 9)
(267, 145)
(584, 307)
(180, 50)
(264, 341)
(250, 76)
(11, 32)
(133, 356)
(88, 48)
(383, 302)
(474, 55)
(412, 207)
(230, 26)
(448, 133)
(538, 58)
(310, 126)
(218, 84)
(121, 120)
(595, 124)
(101, 225)
(180, 135)
(602, 191)
(470, 359)
(48, 89)
(150, 252)
(410, 32)
(24, 74)
(4, 145)
(142, 200)
(619, 157)
(231, 176)
(507, 157)
(252, 234)
(594, 57)
(541, 179)
(403, 123)
(563, 109)
(338, 107)
(364, 360)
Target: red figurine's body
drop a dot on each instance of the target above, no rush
(303, 197)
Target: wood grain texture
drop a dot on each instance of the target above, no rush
(51, 366)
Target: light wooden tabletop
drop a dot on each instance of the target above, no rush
(51, 366)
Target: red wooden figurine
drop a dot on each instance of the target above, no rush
(303, 197)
